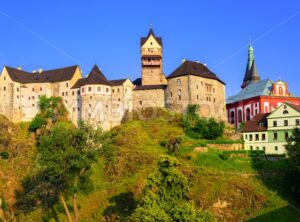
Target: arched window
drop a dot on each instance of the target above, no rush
(285, 112)
(240, 116)
(232, 117)
(280, 91)
(248, 114)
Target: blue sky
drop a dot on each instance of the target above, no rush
(52, 34)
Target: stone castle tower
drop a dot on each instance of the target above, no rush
(151, 59)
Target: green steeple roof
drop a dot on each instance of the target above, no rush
(251, 74)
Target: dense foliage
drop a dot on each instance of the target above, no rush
(64, 163)
(201, 128)
(293, 150)
(50, 108)
(166, 196)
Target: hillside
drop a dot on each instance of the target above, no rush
(19, 145)
(233, 187)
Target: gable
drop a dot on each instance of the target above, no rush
(279, 112)
(151, 42)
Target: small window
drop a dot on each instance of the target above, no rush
(286, 122)
(276, 148)
(251, 147)
(285, 112)
(73, 93)
(297, 122)
(33, 97)
(67, 84)
(264, 148)
(32, 105)
(113, 90)
(32, 89)
(275, 123)
(286, 135)
(197, 86)
(107, 89)
(256, 137)
(18, 89)
(250, 137)
(178, 82)
(4, 77)
(179, 97)
(263, 137)
(246, 136)
(90, 88)
(82, 89)
(275, 136)
(74, 109)
(197, 97)
(41, 89)
(171, 94)
(91, 97)
(4, 88)
(141, 103)
(214, 100)
(63, 93)
(98, 88)
(66, 93)
(118, 90)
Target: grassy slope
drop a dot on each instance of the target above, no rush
(230, 189)
(20, 145)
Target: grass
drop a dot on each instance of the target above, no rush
(233, 189)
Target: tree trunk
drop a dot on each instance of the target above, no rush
(75, 207)
(62, 199)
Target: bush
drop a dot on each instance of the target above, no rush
(224, 155)
(37, 122)
(4, 155)
(201, 128)
(3, 205)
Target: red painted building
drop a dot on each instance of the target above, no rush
(256, 96)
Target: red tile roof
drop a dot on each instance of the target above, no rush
(257, 123)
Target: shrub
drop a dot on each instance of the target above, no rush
(224, 155)
(37, 122)
(3, 205)
(4, 155)
(173, 144)
(201, 128)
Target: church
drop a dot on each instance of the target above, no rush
(97, 100)
(257, 96)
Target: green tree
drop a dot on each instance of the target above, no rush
(166, 196)
(201, 128)
(65, 159)
(293, 151)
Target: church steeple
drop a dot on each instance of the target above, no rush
(251, 74)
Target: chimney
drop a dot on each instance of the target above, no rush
(33, 71)
(40, 70)
(183, 60)
(19, 68)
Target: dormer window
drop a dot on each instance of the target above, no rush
(285, 112)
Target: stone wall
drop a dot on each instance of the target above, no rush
(209, 94)
(148, 98)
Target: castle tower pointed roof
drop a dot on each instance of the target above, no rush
(251, 73)
(151, 32)
(96, 77)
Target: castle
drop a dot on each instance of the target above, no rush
(103, 102)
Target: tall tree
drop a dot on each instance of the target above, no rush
(65, 159)
(293, 151)
(166, 196)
